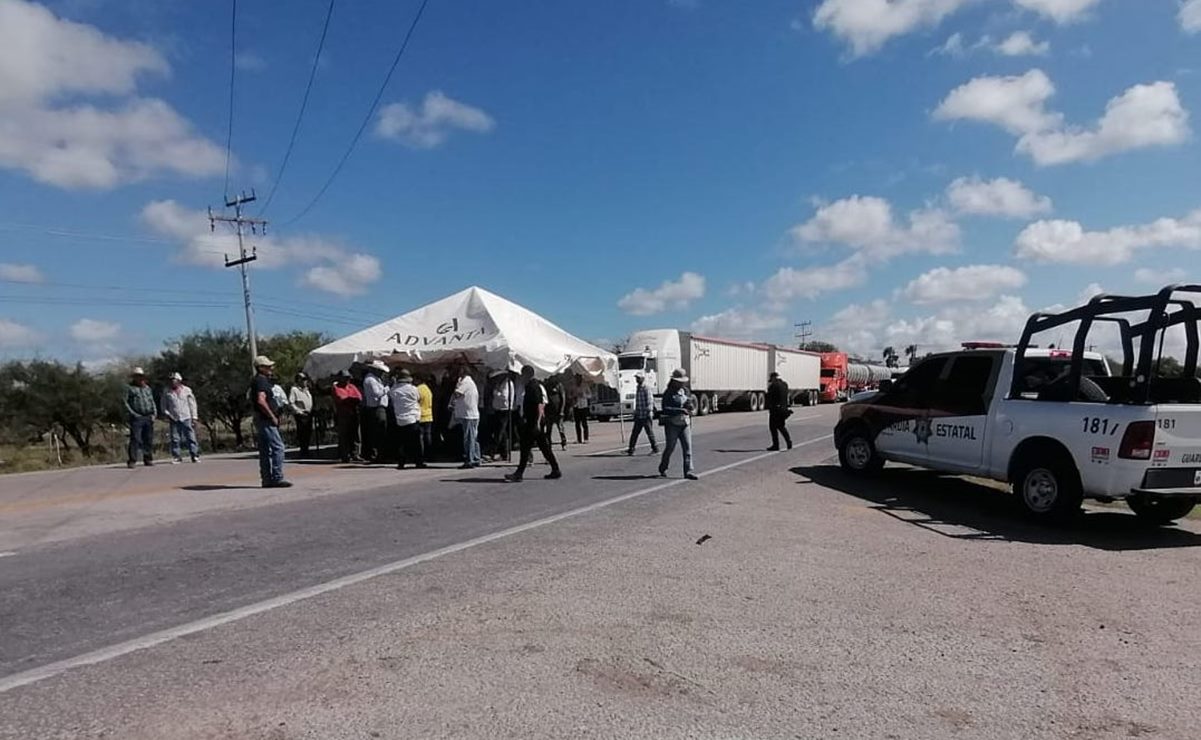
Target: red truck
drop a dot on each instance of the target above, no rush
(842, 376)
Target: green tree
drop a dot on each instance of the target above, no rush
(42, 396)
(289, 351)
(816, 346)
(890, 357)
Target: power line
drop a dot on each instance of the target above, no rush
(366, 119)
(279, 176)
(122, 288)
(233, 49)
(97, 301)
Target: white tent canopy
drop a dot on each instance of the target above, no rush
(472, 326)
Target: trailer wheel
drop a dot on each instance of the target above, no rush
(1158, 510)
(762, 401)
(702, 403)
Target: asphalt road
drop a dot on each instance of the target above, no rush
(773, 598)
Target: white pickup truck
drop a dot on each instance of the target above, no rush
(1056, 424)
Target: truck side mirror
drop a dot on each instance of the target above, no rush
(886, 385)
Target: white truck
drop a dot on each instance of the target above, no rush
(725, 373)
(1054, 423)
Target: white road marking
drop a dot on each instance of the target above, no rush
(695, 434)
(7, 554)
(33, 675)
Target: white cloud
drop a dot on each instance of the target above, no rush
(1021, 44)
(1068, 242)
(333, 268)
(1159, 278)
(430, 125)
(952, 47)
(44, 60)
(347, 277)
(14, 335)
(1143, 116)
(21, 273)
(867, 329)
(789, 283)
(93, 331)
(1015, 103)
(739, 323)
(1190, 16)
(866, 25)
(867, 224)
(970, 283)
(670, 295)
(248, 61)
(1000, 197)
(1060, 11)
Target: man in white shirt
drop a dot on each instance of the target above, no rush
(179, 406)
(500, 417)
(405, 400)
(466, 413)
(375, 412)
(300, 401)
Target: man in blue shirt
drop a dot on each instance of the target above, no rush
(644, 411)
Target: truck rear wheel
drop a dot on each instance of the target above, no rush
(703, 407)
(1048, 487)
(1159, 510)
(857, 454)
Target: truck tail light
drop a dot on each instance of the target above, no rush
(1137, 441)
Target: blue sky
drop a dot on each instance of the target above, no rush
(924, 171)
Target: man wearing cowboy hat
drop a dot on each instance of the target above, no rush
(375, 411)
(179, 406)
(266, 425)
(676, 417)
(405, 400)
(141, 410)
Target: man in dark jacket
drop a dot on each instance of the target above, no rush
(533, 411)
(777, 411)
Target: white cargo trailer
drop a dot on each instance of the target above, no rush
(725, 373)
(801, 370)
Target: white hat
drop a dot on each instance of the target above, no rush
(377, 365)
(679, 374)
(138, 371)
(263, 361)
(176, 376)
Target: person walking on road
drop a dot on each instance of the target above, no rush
(179, 406)
(140, 410)
(533, 428)
(266, 425)
(425, 422)
(556, 410)
(644, 411)
(375, 412)
(405, 401)
(300, 402)
(778, 411)
(467, 415)
(347, 400)
(581, 401)
(677, 422)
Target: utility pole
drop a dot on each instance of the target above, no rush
(804, 331)
(240, 223)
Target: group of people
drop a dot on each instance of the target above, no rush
(178, 408)
(402, 415)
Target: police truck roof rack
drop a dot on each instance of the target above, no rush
(1163, 311)
(986, 345)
